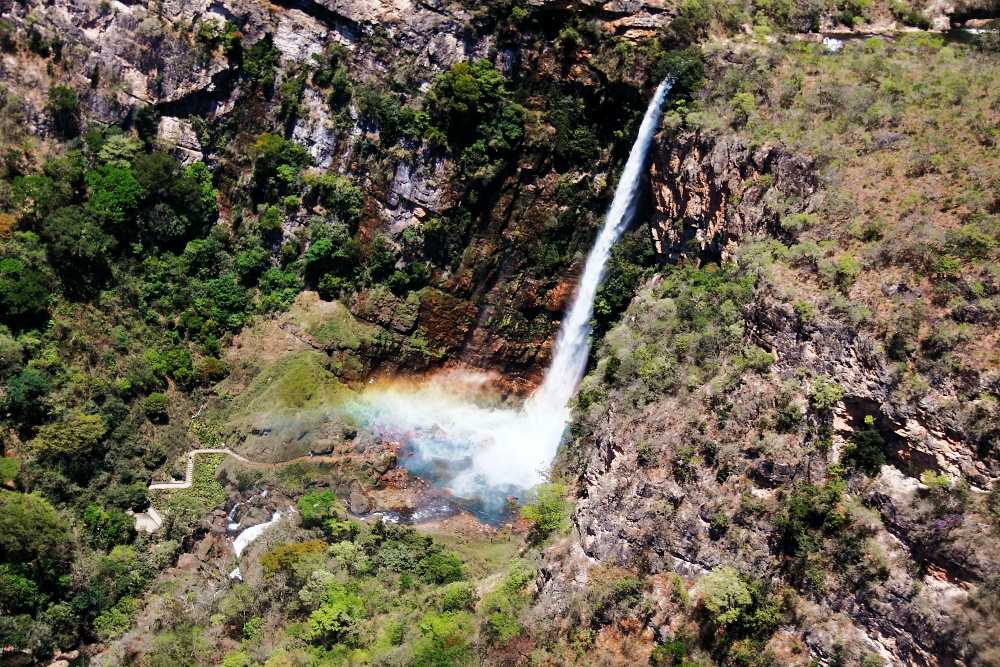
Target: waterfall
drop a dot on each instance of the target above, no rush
(487, 453)
(573, 343)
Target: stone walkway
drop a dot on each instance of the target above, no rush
(189, 471)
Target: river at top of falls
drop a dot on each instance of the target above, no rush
(486, 453)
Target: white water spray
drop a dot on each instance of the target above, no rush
(486, 453)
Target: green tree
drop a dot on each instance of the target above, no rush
(548, 508)
(339, 610)
(75, 434)
(77, 247)
(119, 151)
(825, 394)
(114, 193)
(156, 406)
(63, 103)
(108, 527)
(23, 400)
(30, 529)
(24, 294)
(865, 448)
(9, 469)
(17, 592)
(443, 640)
(724, 595)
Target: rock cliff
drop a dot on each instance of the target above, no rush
(689, 480)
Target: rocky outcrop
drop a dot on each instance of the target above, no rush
(632, 18)
(710, 192)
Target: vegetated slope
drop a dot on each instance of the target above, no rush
(174, 175)
(790, 437)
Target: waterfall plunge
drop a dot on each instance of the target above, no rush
(487, 453)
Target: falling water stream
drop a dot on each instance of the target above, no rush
(487, 453)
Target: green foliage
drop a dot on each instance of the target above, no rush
(183, 646)
(459, 596)
(114, 193)
(315, 508)
(907, 16)
(724, 595)
(119, 151)
(615, 595)
(755, 358)
(825, 393)
(108, 527)
(76, 434)
(626, 268)
(284, 558)
(156, 406)
(443, 640)
(17, 592)
(808, 512)
(277, 165)
(78, 247)
(31, 533)
(339, 609)
(260, 62)
(116, 621)
(403, 550)
(441, 568)
(9, 469)
(24, 294)
(787, 419)
(668, 654)
(865, 448)
(685, 68)
(23, 399)
(548, 509)
(739, 604)
(469, 107)
(392, 118)
(338, 195)
(63, 103)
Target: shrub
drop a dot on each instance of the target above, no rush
(441, 568)
(825, 394)
(284, 558)
(788, 419)
(548, 509)
(724, 595)
(75, 434)
(156, 406)
(460, 596)
(108, 527)
(443, 640)
(866, 448)
(9, 469)
(755, 358)
(340, 608)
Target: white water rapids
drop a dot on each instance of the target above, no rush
(487, 453)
